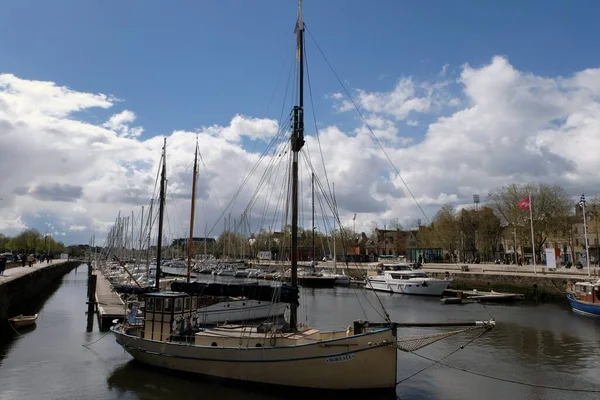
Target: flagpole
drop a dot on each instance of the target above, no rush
(587, 250)
(532, 236)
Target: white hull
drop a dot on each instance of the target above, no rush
(337, 362)
(423, 287)
(240, 310)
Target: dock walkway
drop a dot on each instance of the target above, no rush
(109, 303)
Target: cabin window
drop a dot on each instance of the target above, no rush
(150, 304)
(396, 276)
(159, 305)
(194, 303)
(178, 303)
(258, 345)
(186, 303)
(167, 305)
(214, 344)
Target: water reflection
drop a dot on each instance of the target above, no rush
(158, 384)
(543, 344)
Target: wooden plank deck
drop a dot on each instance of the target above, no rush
(109, 303)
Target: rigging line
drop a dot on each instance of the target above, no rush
(284, 149)
(267, 200)
(273, 184)
(270, 104)
(246, 179)
(273, 142)
(263, 179)
(263, 185)
(436, 233)
(356, 290)
(208, 178)
(440, 361)
(281, 199)
(312, 104)
(369, 127)
(507, 380)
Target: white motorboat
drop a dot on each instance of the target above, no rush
(407, 281)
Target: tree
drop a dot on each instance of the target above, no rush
(550, 206)
(446, 232)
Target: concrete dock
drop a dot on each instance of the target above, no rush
(109, 305)
(18, 285)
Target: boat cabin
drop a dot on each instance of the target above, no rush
(587, 292)
(405, 275)
(165, 312)
(397, 267)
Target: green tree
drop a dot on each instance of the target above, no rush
(550, 206)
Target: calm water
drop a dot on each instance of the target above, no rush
(545, 344)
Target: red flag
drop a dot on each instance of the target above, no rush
(524, 204)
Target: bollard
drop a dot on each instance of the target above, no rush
(91, 302)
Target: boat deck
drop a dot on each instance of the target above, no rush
(109, 303)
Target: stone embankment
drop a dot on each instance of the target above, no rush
(19, 285)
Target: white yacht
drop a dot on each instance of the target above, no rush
(401, 278)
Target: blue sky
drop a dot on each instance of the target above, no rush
(193, 63)
(181, 66)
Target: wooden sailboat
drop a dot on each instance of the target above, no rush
(363, 356)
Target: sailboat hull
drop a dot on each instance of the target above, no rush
(365, 361)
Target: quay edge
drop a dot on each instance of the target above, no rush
(26, 284)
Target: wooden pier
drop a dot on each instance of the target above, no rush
(109, 305)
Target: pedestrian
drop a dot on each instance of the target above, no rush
(2, 264)
(31, 260)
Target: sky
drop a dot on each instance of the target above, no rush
(463, 96)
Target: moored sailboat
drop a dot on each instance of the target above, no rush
(363, 356)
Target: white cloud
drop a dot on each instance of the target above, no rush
(241, 126)
(502, 126)
(120, 123)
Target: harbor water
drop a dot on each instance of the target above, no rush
(544, 347)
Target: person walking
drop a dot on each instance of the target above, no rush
(2, 264)
(31, 260)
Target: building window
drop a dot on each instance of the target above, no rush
(576, 242)
(575, 229)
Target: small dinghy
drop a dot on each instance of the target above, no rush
(23, 320)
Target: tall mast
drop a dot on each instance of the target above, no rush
(132, 241)
(141, 234)
(312, 181)
(297, 141)
(193, 211)
(161, 213)
(334, 218)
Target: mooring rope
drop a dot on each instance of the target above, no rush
(508, 380)
(96, 341)
(434, 362)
